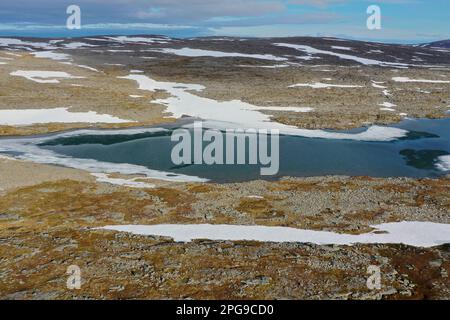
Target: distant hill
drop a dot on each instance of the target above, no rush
(438, 44)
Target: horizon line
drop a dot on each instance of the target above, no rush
(382, 41)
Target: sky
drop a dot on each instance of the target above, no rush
(402, 21)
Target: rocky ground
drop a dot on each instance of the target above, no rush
(47, 227)
(256, 81)
(47, 213)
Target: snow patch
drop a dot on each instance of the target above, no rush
(292, 109)
(418, 234)
(119, 51)
(406, 79)
(320, 85)
(276, 66)
(44, 76)
(387, 105)
(132, 183)
(87, 67)
(341, 48)
(237, 114)
(189, 52)
(52, 55)
(364, 61)
(443, 163)
(78, 45)
(6, 42)
(126, 39)
(21, 117)
(378, 85)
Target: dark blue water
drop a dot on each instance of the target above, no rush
(414, 156)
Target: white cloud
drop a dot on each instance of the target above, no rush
(99, 26)
(317, 3)
(328, 30)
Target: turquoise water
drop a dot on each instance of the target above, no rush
(413, 156)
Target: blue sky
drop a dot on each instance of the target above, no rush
(403, 21)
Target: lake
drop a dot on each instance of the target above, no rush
(411, 156)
